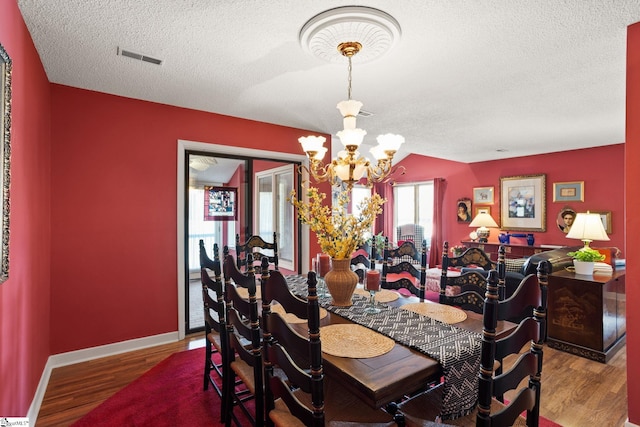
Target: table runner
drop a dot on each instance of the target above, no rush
(456, 349)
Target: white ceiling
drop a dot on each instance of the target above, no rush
(467, 77)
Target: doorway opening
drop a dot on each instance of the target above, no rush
(221, 194)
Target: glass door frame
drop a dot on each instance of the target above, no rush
(182, 176)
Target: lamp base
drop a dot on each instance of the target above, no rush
(483, 234)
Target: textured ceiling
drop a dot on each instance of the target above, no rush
(469, 80)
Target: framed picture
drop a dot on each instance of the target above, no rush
(565, 219)
(483, 195)
(464, 210)
(568, 191)
(481, 209)
(220, 203)
(605, 217)
(522, 204)
(5, 159)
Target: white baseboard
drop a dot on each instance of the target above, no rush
(628, 424)
(69, 358)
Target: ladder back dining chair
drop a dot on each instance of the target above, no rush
(214, 317)
(244, 354)
(294, 378)
(406, 274)
(258, 248)
(521, 378)
(472, 285)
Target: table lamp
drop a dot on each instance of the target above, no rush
(483, 220)
(587, 227)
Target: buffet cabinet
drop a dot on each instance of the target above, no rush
(587, 314)
(511, 251)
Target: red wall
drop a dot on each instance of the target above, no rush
(114, 208)
(24, 297)
(632, 178)
(603, 190)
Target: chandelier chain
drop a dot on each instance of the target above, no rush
(349, 80)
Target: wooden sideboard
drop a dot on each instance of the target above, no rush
(587, 314)
(511, 251)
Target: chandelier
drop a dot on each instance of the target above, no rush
(348, 167)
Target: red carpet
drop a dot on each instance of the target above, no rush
(543, 422)
(169, 394)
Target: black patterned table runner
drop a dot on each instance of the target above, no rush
(456, 349)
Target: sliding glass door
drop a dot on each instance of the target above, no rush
(274, 213)
(227, 195)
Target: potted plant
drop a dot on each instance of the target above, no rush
(379, 241)
(584, 259)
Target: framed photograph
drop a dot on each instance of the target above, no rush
(481, 209)
(522, 204)
(483, 195)
(220, 203)
(463, 209)
(568, 191)
(605, 217)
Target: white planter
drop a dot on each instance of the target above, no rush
(583, 267)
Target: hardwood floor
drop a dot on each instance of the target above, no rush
(575, 391)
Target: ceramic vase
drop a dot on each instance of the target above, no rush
(341, 282)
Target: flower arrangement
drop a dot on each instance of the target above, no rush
(339, 233)
(457, 250)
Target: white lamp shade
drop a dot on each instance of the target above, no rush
(390, 141)
(320, 153)
(483, 219)
(587, 227)
(351, 136)
(312, 143)
(342, 171)
(349, 108)
(378, 152)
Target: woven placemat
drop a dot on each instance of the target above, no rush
(355, 341)
(383, 295)
(244, 292)
(292, 318)
(441, 312)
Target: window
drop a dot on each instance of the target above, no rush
(413, 204)
(358, 194)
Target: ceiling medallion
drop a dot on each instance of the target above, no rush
(376, 30)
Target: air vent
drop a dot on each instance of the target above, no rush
(364, 113)
(139, 56)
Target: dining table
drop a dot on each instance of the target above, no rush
(418, 349)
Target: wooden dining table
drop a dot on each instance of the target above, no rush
(388, 377)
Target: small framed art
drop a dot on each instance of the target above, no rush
(605, 217)
(481, 209)
(568, 191)
(483, 195)
(220, 203)
(464, 210)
